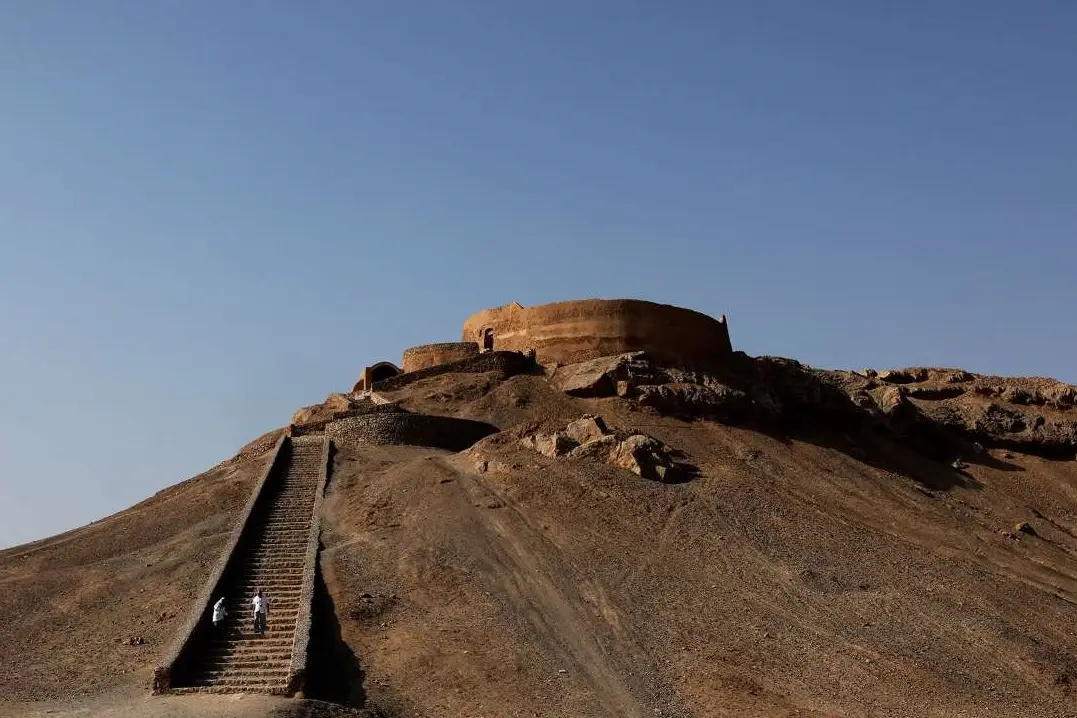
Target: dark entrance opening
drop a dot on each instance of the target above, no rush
(380, 372)
(487, 340)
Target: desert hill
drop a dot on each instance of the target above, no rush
(832, 544)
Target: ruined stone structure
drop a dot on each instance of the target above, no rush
(375, 373)
(565, 333)
(428, 355)
(568, 332)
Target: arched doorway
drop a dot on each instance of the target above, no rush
(381, 371)
(488, 339)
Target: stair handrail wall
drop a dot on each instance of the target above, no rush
(297, 673)
(162, 673)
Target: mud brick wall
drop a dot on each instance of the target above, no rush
(569, 332)
(428, 355)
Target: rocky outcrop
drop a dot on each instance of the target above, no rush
(600, 377)
(588, 438)
(929, 408)
(336, 404)
(1032, 415)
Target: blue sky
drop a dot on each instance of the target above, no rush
(213, 213)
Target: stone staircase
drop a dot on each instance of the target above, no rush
(272, 557)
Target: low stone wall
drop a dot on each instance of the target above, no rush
(297, 674)
(505, 363)
(162, 673)
(317, 427)
(409, 429)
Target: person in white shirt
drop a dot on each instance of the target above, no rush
(219, 612)
(261, 612)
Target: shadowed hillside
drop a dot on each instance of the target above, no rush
(821, 557)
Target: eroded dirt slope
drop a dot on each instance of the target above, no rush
(788, 578)
(72, 603)
(810, 564)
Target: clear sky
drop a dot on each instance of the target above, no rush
(212, 213)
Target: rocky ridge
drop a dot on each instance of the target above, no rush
(939, 410)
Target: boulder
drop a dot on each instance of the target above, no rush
(643, 455)
(554, 444)
(600, 449)
(600, 377)
(586, 428)
(696, 400)
(890, 400)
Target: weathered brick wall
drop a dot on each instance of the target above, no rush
(568, 332)
(429, 355)
(506, 363)
(410, 429)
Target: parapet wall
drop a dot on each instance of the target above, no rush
(297, 672)
(505, 363)
(569, 332)
(409, 429)
(428, 355)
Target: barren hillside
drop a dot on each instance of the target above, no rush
(817, 555)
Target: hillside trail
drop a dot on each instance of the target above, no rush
(524, 560)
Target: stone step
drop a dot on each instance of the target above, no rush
(268, 689)
(251, 643)
(245, 652)
(251, 661)
(275, 615)
(252, 664)
(280, 633)
(247, 679)
(283, 591)
(244, 616)
(281, 565)
(273, 593)
(277, 600)
(284, 559)
(284, 621)
(278, 553)
(277, 531)
(280, 544)
(278, 547)
(283, 577)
